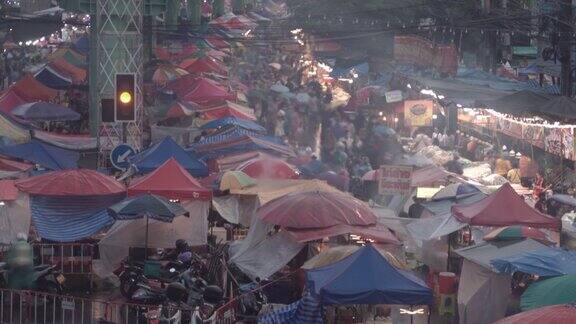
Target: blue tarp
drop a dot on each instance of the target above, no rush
(47, 156)
(307, 310)
(230, 120)
(82, 45)
(366, 277)
(546, 262)
(52, 79)
(226, 135)
(68, 219)
(157, 154)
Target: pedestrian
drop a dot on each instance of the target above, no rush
(20, 259)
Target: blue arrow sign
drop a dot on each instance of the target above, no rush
(119, 156)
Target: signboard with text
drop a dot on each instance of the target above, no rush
(394, 180)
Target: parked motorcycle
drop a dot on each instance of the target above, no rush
(45, 278)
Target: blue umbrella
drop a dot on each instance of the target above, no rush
(384, 131)
(44, 111)
(230, 120)
(148, 206)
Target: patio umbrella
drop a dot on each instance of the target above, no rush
(337, 253)
(515, 233)
(553, 291)
(268, 168)
(148, 206)
(44, 111)
(316, 209)
(235, 180)
(557, 314)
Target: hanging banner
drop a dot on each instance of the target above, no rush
(418, 113)
(394, 180)
(533, 135)
(559, 141)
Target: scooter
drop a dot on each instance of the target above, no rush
(131, 274)
(45, 278)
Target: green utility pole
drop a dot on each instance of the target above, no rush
(172, 13)
(194, 12)
(566, 31)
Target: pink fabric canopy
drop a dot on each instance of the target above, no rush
(172, 181)
(503, 208)
(557, 314)
(315, 210)
(205, 91)
(79, 182)
(10, 99)
(204, 64)
(378, 233)
(268, 167)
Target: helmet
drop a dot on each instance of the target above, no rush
(185, 257)
(176, 291)
(213, 294)
(181, 244)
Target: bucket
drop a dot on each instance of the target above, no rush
(446, 283)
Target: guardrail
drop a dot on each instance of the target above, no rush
(22, 306)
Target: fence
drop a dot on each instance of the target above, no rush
(36, 307)
(70, 258)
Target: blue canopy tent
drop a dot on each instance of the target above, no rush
(52, 79)
(47, 156)
(366, 277)
(157, 154)
(82, 45)
(546, 262)
(230, 120)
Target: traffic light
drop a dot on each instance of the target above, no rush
(125, 98)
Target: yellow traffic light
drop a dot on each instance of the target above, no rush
(125, 97)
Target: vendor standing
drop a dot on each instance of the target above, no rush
(528, 170)
(502, 166)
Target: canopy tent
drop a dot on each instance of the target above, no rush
(235, 180)
(68, 218)
(517, 232)
(456, 191)
(552, 291)
(464, 94)
(518, 103)
(167, 73)
(159, 153)
(30, 89)
(204, 64)
(53, 79)
(337, 253)
(10, 165)
(561, 107)
(47, 156)
(244, 143)
(231, 161)
(366, 277)
(315, 210)
(80, 182)
(172, 181)
(44, 111)
(502, 208)
(483, 253)
(545, 262)
(556, 314)
(165, 54)
(66, 141)
(70, 56)
(181, 109)
(77, 74)
(269, 189)
(216, 42)
(225, 134)
(10, 99)
(205, 92)
(444, 206)
(268, 168)
(183, 84)
(242, 123)
(227, 109)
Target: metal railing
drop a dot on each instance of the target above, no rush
(22, 306)
(69, 258)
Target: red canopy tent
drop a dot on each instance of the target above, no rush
(227, 109)
(10, 165)
(503, 208)
(181, 109)
(268, 167)
(315, 210)
(8, 191)
(206, 91)
(172, 181)
(204, 64)
(216, 42)
(78, 182)
(28, 88)
(10, 99)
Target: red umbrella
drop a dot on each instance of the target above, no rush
(316, 209)
(557, 314)
(79, 182)
(268, 168)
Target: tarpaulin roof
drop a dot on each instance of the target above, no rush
(270, 189)
(269, 168)
(52, 78)
(67, 141)
(227, 108)
(10, 99)
(206, 92)
(242, 144)
(9, 165)
(242, 123)
(157, 154)
(378, 233)
(80, 182)
(519, 102)
(444, 206)
(546, 262)
(31, 89)
(556, 314)
(483, 253)
(77, 74)
(225, 134)
(8, 190)
(366, 277)
(316, 209)
(172, 181)
(48, 156)
(13, 130)
(204, 64)
(502, 208)
(68, 219)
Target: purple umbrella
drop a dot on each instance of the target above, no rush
(44, 111)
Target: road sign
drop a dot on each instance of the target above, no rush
(119, 156)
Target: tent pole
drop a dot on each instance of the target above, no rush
(146, 241)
